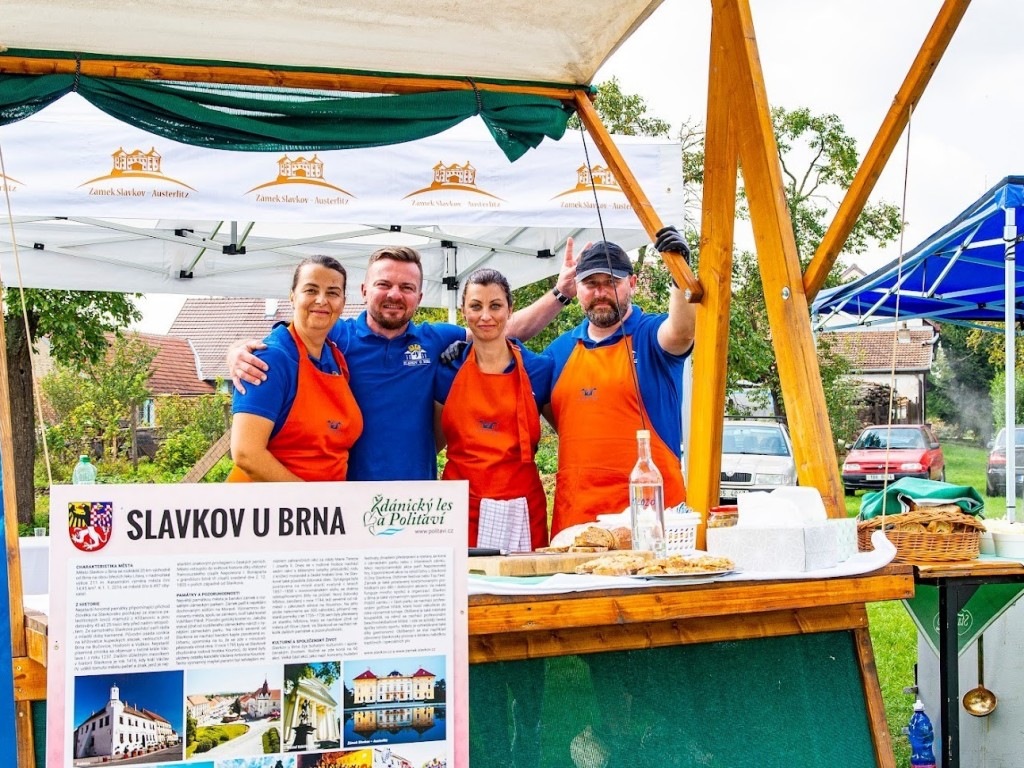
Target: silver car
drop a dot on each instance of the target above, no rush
(756, 456)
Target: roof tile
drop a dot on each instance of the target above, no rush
(872, 351)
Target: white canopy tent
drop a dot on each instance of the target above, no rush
(101, 205)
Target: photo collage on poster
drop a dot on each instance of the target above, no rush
(364, 713)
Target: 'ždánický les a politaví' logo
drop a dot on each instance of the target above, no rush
(389, 515)
(90, 524)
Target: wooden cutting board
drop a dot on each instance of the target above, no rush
(543, 564)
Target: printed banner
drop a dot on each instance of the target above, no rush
(71, 159)
(985, 606)
(277, 625)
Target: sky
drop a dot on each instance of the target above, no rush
(849, 59)
(159, 692)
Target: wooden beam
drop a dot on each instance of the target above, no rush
(496, 614)
(29, 679)
(532, 645)
(22, 709)
(711, 347)
(679, 269)
(879, 726)
(787, 306)
(329, 81)
(208, 459)
(909, 94)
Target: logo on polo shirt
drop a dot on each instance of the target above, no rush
(416, 355)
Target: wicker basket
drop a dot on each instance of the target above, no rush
(926, 534)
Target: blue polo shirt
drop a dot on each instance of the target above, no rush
(393, 382)
(274, 397)
(538, 369)
(660, 373)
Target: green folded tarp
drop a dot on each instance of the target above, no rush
(898, 496)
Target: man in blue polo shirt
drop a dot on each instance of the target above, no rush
(619, 371)
(392, 360)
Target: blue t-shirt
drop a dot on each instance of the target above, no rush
(660, 373)
(393, 382)
(538, 369)
(274, 397)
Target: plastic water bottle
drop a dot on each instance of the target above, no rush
(85, 472)
(921, 735)
(647, 500)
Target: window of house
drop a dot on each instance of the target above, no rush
(147, 414)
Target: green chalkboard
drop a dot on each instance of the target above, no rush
(780, 702)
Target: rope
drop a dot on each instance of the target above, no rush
(24, 317)
(600, 223)
(896, 318)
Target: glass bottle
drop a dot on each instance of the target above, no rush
(647, 500)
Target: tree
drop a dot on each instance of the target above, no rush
(75, 322)
(190, 728)
(960, 385)
(95, 400)
(819, 161)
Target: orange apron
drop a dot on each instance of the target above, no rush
(597, 412)
(492, 427)
(322, 424)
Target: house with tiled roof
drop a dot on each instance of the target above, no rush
(174, 371)
(211, 325)
(902, 356)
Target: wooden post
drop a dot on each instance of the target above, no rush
(895, 121)
(788, 313)
(680, 270)
(15, 601)
(711, 350)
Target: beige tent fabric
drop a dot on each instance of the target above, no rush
(552, 41)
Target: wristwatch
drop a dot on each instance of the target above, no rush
(564, 300)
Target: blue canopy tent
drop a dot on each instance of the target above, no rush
(964, 273)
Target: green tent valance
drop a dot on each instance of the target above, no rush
(249, 119)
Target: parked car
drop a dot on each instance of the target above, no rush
(893, 452)
(995, 475)
(756, 456)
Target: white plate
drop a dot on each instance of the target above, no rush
(680, 576)
(879, 477)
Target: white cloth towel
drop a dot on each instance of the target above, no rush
(504, 525)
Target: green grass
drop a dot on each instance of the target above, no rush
(893, 634)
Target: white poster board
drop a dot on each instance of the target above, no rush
(277, 625)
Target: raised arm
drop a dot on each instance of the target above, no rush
(527, 322)
(676, 334)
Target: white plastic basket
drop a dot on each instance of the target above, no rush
(681, 532)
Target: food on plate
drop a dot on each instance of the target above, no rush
(616, 564)
(680, 564)
(642, 564)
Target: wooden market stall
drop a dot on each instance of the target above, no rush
(334, 48)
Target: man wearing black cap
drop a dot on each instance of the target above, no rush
(620, 370)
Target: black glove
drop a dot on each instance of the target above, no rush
(669, 239)
(453, 352)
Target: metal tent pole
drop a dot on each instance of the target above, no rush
(1010, 341)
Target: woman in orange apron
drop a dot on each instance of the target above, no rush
(300, 423)
(487, 409)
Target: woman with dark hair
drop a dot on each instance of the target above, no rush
(487, 409)
(300, 423)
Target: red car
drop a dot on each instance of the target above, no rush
(884, 453)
